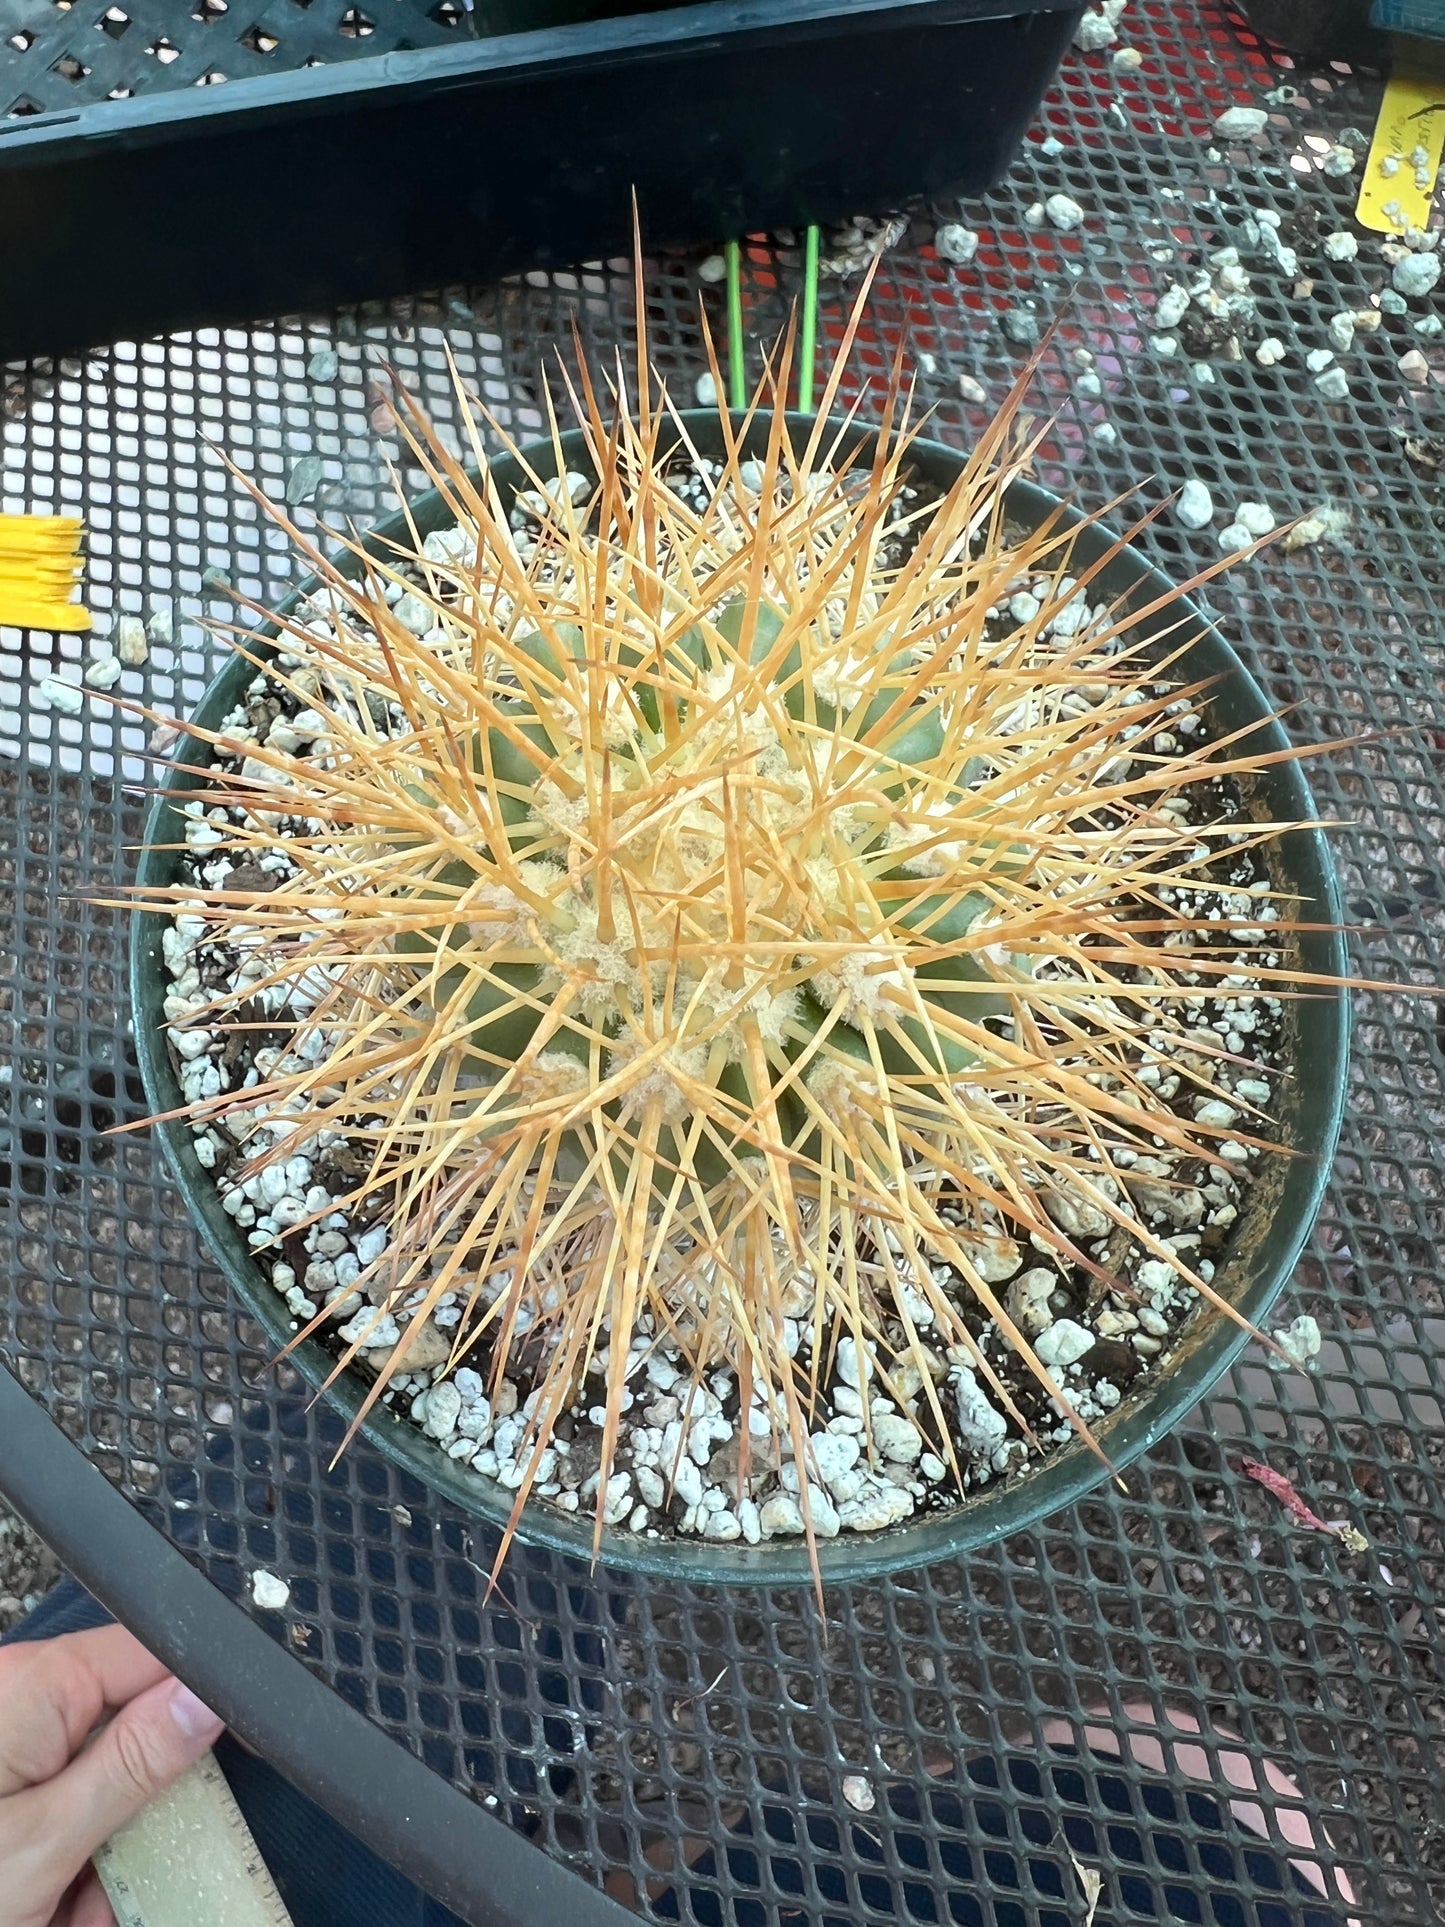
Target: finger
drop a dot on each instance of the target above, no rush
(54, 1690)
(91, 1907)
(148, 1744)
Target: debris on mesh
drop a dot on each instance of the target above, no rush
(1283, 1489)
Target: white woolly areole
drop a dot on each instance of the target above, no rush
(875, 986)
(660, 1079)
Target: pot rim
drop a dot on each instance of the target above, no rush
(1208, 1344)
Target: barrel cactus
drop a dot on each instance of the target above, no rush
(728, 902)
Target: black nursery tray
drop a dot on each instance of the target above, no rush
(369, 147)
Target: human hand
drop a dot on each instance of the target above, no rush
(59, 1797)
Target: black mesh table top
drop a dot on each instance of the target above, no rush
(1222, 1715)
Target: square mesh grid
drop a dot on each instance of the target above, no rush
(63, 54)
(689, 1749)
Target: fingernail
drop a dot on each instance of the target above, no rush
(192, 1715)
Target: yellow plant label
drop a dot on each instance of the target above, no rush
(1404, 157)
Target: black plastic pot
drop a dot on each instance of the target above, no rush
(1278, 1211)
(297, 186)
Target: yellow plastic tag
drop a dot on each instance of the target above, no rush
(40, 567)
(1404, 157)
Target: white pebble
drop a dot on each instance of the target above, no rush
(131, 644)
(687, 1482)
(1064, 1343)
(1171, 306)
(1270, 351)
(1240, 123)
(898, 1439)
(779, 1515)
(982, 1429)
(371, 1244)
(721, 1525)
(1333, 385)
(1318, 359)
(104, 673)
(848, 1363)
(1028, 1297)
(1064, 212)
(618, 1501)
(55, 693)
(972, 391)
(649, 1485)
(879, 1503)
(1414, 367)
(1341, 331)
(705, 390)
(1195, 507)
(1299, 1340)
(1341, 245)
(1235, 537)
(443, 1408)
(834, 1453)
(955, 242)
(713, 269)
(1095, 30)
(858, 1793)
(270, 1593)
(1157, 1279)
(1416, 274)
(1257, 517)
(826, 1522)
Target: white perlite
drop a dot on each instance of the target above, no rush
(1416, 274)
(1195, 507)
(1299, 1340)
(1063, 1344)
(1095, 30)
(955, 242)
(1064, 212)
(1241, 123)
(1169, 311)
(980, 1427)
(131, 642)
(858, 1793)
(104, 673)
(270, 1593)
(443, 1409)
(1257, 517)
(55, 693)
